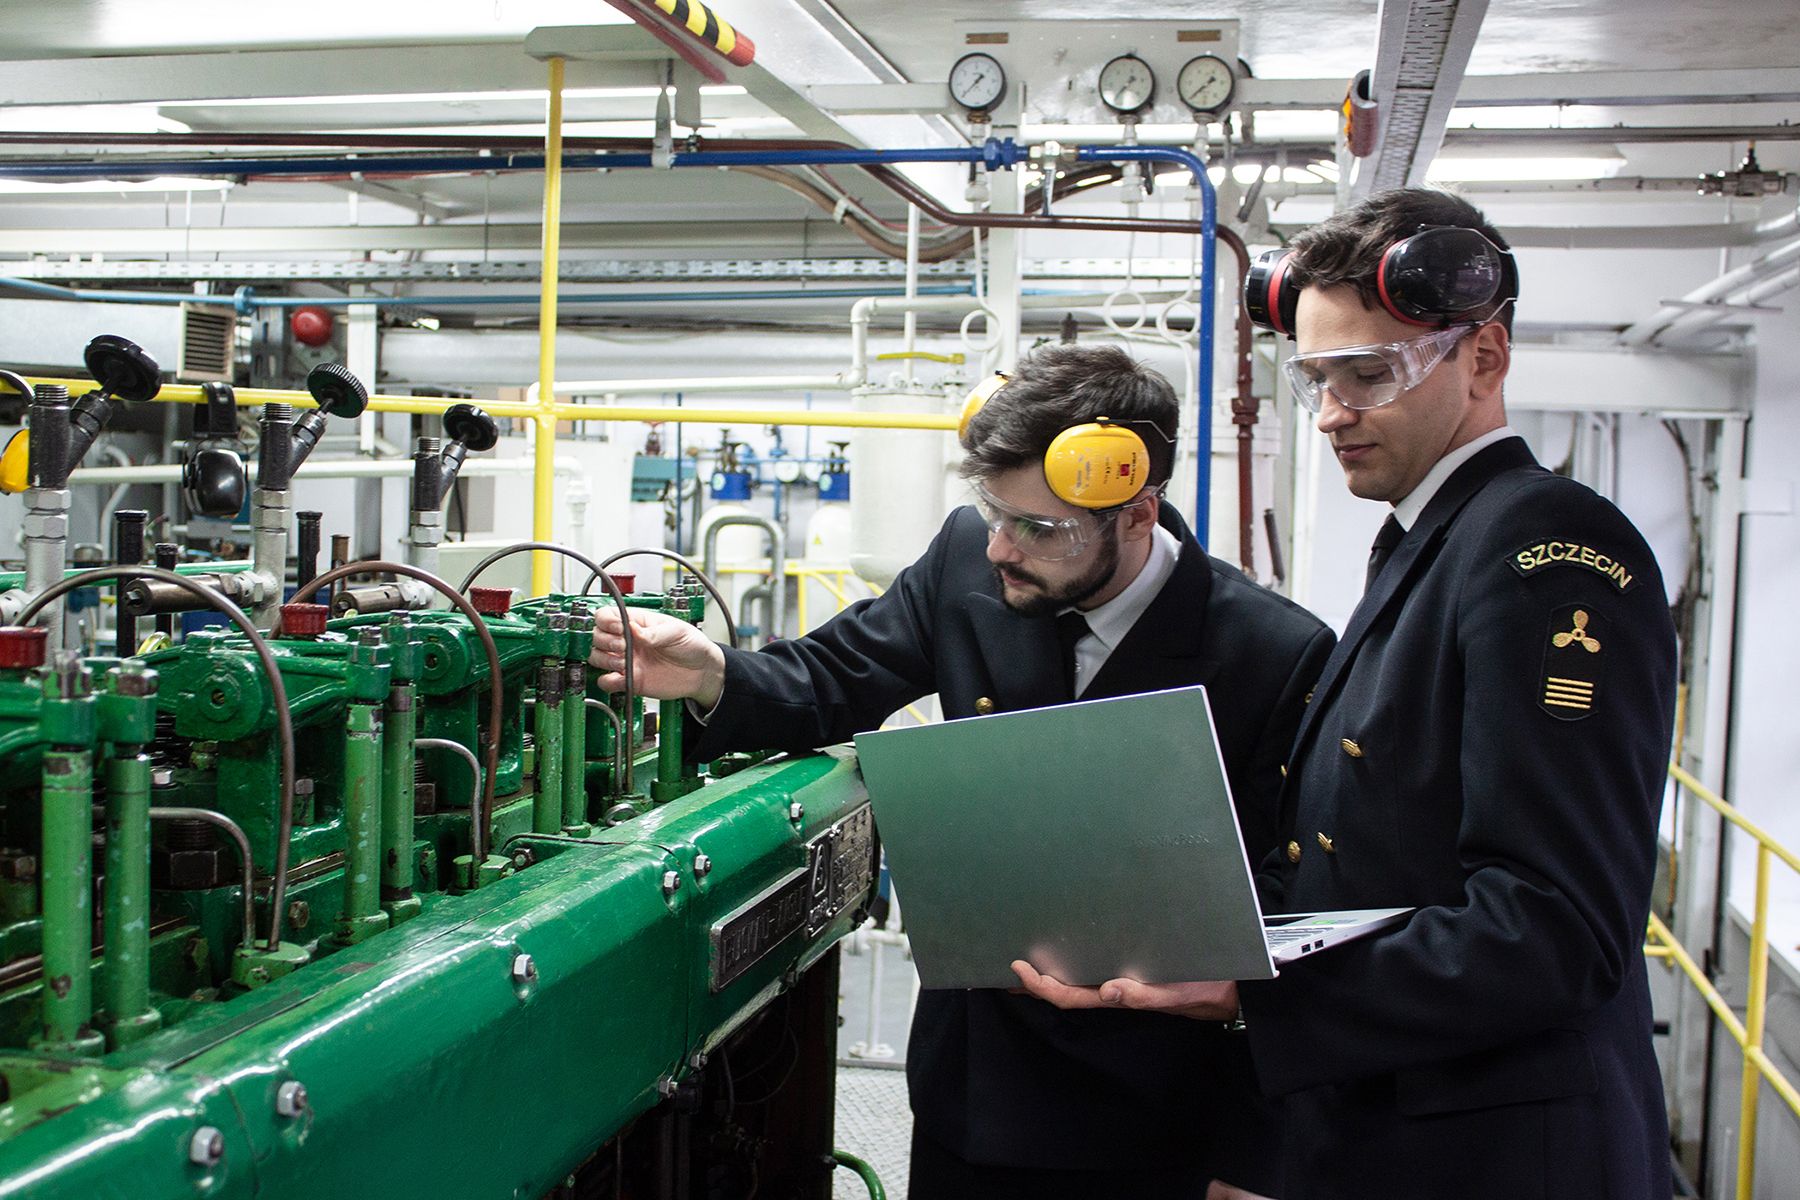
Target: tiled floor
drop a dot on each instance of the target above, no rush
(873, 1120)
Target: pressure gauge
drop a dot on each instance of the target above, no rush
(787, 470)
(1127, 85)
(1206, 83)
(977, 82)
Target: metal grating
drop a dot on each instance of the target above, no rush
(874, 1123)
(208, 343)
(1423, 52)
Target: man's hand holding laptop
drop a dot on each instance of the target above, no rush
(1210, 1001)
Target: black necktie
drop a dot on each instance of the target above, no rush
(1071, 627)
(1383, 549)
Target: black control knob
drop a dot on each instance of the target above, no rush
(472, 427)
(122, 368)
(337, 392)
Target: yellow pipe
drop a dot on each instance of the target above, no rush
(1698, 978)
(1753, 1029)
(543, 500)
(1777, 1080)
(1730, 813)
(177, 393)
(754, 416)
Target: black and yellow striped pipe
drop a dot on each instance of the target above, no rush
(707, 25)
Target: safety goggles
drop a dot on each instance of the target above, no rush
(1036, 536)
(1363, 377)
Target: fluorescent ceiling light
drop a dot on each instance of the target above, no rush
(88, 118)
(165, 183)
(538, 95)
(1460, 169)
(1296, 124)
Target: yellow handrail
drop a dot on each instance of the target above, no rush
(1748, 1033)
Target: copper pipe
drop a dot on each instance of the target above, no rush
(1243, 410)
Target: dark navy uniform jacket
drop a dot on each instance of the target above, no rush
(1487, 744)
(1001, 1078)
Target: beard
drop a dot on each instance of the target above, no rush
(1049, 599)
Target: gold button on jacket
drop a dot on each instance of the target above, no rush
(983, 707)
(1351, 748)
(1293, 852)
(1327, 845)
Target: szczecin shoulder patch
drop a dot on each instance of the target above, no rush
(1574, 655)
(1538, 555)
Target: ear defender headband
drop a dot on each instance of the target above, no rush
(1441, 275)
(1095, 465)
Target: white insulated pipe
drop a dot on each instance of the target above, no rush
(323, 468)
(1650, 328)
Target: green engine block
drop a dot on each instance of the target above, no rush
(442, 1014)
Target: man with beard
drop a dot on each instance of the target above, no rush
(1026, 599)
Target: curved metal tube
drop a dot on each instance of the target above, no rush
(686, 564)
(777, 565)
(476, 813)
(599, 572)
(284, 721)
(621, 744)
(236, 831)
(17, 383)
(477, 834)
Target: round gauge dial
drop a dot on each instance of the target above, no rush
(787, 470)
(1127, 85)
(1206, 83)
(977, 82)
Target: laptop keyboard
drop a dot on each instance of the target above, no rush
(1287, 935)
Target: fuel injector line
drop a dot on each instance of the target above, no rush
(612, 589)
(236, 833)
(686, 564)
(621, 747)
(485, 798)
(458, 749)
(284, 722)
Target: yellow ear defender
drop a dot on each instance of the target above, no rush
(978, 396)
(15, 464)
(1096, 464)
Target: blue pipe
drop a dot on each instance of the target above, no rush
(1209, 228)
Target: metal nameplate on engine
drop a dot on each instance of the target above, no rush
(840, 869)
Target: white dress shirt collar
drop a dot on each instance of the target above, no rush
(1408, 509)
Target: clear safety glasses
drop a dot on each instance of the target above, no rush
(1040, 537)
(1363, 377)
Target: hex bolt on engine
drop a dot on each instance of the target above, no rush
(524, 970)
(290, 1099)
(207, 1147)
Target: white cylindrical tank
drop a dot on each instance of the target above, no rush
(828, 543)
(897, 493)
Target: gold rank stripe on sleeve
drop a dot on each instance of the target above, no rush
(1535, 557)
(1568, 693)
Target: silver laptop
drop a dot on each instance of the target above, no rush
(1095, 840)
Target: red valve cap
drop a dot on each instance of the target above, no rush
(627, 580)
(304, 620)
(23, 647)
(491, 601)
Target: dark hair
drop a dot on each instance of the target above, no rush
(1059, 386)
(1347, 248)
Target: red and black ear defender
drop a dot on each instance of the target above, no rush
(1438, 277)
(1095, 465)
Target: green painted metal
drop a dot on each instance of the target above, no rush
(546, 732)
(16, 579)
(127, 720)
(68, 889)
(422, 1050)
(125, 999)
